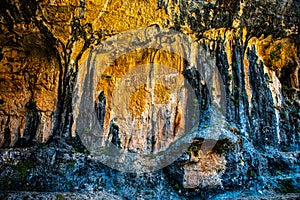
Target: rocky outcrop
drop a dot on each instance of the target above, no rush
(29, 87)
(217, 79)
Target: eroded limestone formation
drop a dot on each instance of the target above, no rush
(68, 69)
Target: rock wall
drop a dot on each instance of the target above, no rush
(29, 87)
(70, 66)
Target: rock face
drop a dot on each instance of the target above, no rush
(141, 75)
(29, 87)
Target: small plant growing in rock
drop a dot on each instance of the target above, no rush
(251, 173)
(71, 164)
(176, 186)
(74, 74)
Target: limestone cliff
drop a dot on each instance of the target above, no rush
(217, 79)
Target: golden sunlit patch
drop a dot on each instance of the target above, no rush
(277, 53)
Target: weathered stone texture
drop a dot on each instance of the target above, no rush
(54, 58)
